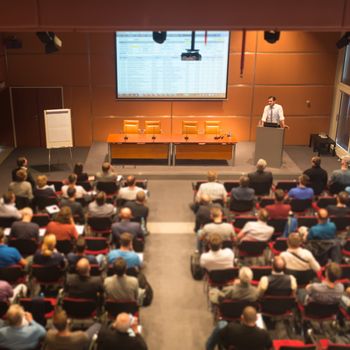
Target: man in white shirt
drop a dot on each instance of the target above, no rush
(217, 258)
(79, 190)
(257, 230)
(273, 113)
(129, 192)
(212, 188)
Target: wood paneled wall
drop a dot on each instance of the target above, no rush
(299, 69)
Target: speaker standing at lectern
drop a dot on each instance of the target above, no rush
(273, 114)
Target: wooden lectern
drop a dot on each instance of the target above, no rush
(269, 145)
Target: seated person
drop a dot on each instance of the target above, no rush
(121, 286)
(107, 174)
(42, 189)
(21, 187)
(129, 192)
(22, 163)
(71, 182)
(9, 255)
(8, 206)
(279, 209)
(25, 229)
(21, 332)
(301, 191)
(79, 171)
(324, 229)
(99, 207)
(261, 178)
(217, 258)
(278, 283)
(257, 230)
(341, 208)
(121, 334)
(340, 178)
(138, 207)
(75, 207)
(79, 253)
(297, 258)
(224, 229)
(8, 293)
(243, 192)
(329, 291)
(48, 255)
(318, 176)
(81, 284)
(62, 226)
(126, 252)
(202, 212)
(62, 338)
(242, 289)
(243, 336)
(214, 189)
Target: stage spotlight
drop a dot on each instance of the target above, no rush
(343, 41)
(271, 36)
(159, 37)
(52, 42)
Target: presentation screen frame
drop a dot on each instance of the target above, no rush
(172, 98)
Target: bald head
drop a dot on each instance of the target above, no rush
(249, 316)
(122, 322)
(83, 267)
(125, 213)
(322, 215)
(278, 264)
(15, 315)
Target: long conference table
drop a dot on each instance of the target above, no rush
(172, 147)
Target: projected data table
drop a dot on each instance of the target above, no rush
(171, 147)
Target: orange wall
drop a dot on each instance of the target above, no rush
(300, 67)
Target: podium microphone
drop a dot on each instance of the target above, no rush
(126, 138)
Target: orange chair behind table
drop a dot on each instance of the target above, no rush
(152, 127)
(189, 127)
(212, 127)
(131, 126)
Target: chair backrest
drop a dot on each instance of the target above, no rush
(4, 306)
(240, 221)
(264, 201)
(280, 244)
(47, 274)
(278, 224)
(307, 221)
(260, 271)
(115, 307)
(96, 245)
(131, 126)
(341, 222)
(22, 202)
(222, 277)
(338, 346)
(109, 188)
(13, 274)
(57, 184)
(100, 223)
(42, 202)
(79, 307)
(41, 219)
(252, 248)
(25, 246)
(241, 205)
(277, 305)
(285, 185)
(260, 188)
(152, 127)
(143, 183)
(231, 310)
(64, 246)
(303, 277)
(323, 202)
(300, 205)
(212, 127)
(229, 185)
(189, 127)
(319, 311)
(86, 185)
(39, 307)
(7, 221)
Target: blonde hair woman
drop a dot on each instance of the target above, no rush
(48, 255)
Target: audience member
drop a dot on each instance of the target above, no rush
(62, 338)
(8, 206)
(72, 183)
(79, 253)
(9, 255)
(212, 188)
(138, 207)
(126, 252)
(121, 334)
(25, 229)
(129, 192)
(22, 163)
(257, 230)
(107, 174)
(298, 258)
(79, 172)
(22, 332)
(279, 209)
(48, 255)
(243, 192)
(301, 191)
(8, 293)
(340, 178)
(121, 286)
(63, 225)
(99, 207)
(224, 229)
(75, 207)
(125, 225)
(243, 336)
(217, 258)
(42, 189)
(318, 177)
(202, 212)
(278, 283)
(21, 187)
(324, 229)
(81, 284)
(261, 179)
(341, 208)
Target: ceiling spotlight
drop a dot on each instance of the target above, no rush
(271, 36)
(159, 37)
(52, 42)
(343, 41)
